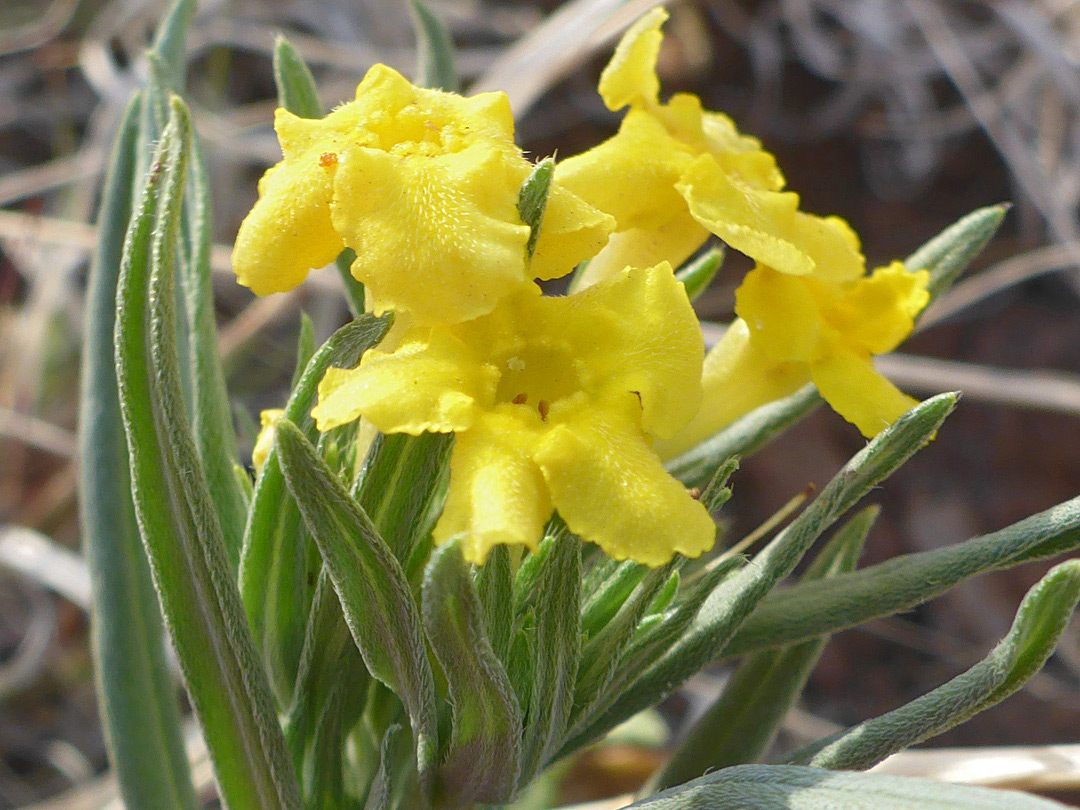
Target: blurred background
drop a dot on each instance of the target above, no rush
(899, 115)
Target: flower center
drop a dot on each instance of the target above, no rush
(414, 131)
(536, 376)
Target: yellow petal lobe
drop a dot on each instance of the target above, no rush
(630, 76)
(638, 334)
(438, 238)
(858, 392)
(429, 384)
(612, 490)
(571, 231)
(288, 232)
(767, 225)
(497, 494)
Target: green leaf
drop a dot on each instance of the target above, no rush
(329, 661)
(170, 43)
(178, 524)
(791, 787)
(556, 652)
(698, 274)
(601, 654)
(952, 250)
(138, 707)
(602, 598)
(484, 753)
(812, 608)
(1040, 621)
(744, 436)
(305, 349)
(654, 636)
(532, 200)
(273, 567)
(370, 583)
(741, 724)
(296, 90)
(212, 414)
(399, 486)
(725, 609)
(434, 50)
(495, 587)
(381, 795)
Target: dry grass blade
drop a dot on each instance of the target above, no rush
(1053, 391)
(34, 556)
(998, 278)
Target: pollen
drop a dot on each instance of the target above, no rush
(328, 159)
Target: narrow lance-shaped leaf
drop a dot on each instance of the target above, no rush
(296, 90)
(167, 62)
(434, 50)
(177, 521)
(484, 753)
(741, 724)
(557, 649)
(212, 416)
(138, 706)
(952, 250)
(329, 657)
(812, 608)
(375, 596)
(399, 485)
(1040, 621)
(495, 587)
(737, 596)
(600, 656)
(532, 200)
(791, 787)
(272, 572)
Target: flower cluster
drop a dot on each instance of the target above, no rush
(570, 403)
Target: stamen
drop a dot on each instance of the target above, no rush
(544, 409)
(520, 399)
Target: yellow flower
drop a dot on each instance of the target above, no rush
(554, 402)
(423, 185)
(263, 444)
(684, 172)
(794, 330)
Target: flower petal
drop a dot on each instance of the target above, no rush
(737, 378)
(497, 494)
(630, 76)
(570, 232)
(647, 162)
(611, 490)
(782, 315)
(438, 237)
(431, 383)
(858, 392)
(767, 225)
(879, 311)
(288, 231)
(637, 333)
